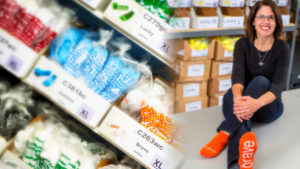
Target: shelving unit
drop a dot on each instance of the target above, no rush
(192, 33)
(137, 141)
(95, 18)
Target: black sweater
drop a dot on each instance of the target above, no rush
(275, 68)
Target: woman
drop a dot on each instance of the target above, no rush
(260, 66)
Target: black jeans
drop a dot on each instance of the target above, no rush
(257, 87)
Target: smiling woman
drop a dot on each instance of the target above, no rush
(260, 64)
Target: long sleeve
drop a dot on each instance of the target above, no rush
(279, 79)
(239, 62)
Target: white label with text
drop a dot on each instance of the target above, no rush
(225, 69)
(199, 53)
(196, 70)
(180, 3)
(92, 3)
(193, 106)
(191, 90)
(180, 23)
(228, 53)
(14, 55)
(224, 85)
(205, 3)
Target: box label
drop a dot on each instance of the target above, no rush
(205, 3)
(180, 3)
(281, 2)
(193, 106)
(224, 85)
(232, 22)
(180, 23)
(220, 103)
(206, 22)
(225, 68)
(285, 19)
(228, 53)
(232, 3)
(196, 70)
(199, 53)
(191, 90)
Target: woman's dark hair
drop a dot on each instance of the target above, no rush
(250, 30)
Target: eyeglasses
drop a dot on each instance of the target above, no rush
(270, 18)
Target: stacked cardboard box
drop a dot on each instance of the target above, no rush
(194, 71)
(220, 77)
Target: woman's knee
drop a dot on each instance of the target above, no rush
(261, 81)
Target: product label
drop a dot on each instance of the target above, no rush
(14, 64)
(228, 53)
(199, 53)
(138, 141)
(193, 106)
(86, 112)
(232, 22)
(191, 90)
(180, 23)
(144, 26)
(69, 93)
(15, 56)
(180, 3)
(205, 3)
(92, 3)
(196, 70)
(10, 161)
(224, 85)
(225, 68)
(159, 162)
(220, 103)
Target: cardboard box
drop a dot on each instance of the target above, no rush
(231, 3)
(190, 89)
(193, 70)
(181, 19)
(203, 18)
(285, 15)
(221, 69)
(204, 54)
(192, 104)
(232, 17)
(219, 85)
(205, 3)
(216, 100)
(221, 54)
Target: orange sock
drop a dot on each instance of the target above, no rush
(215, 146)
(247, 148)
